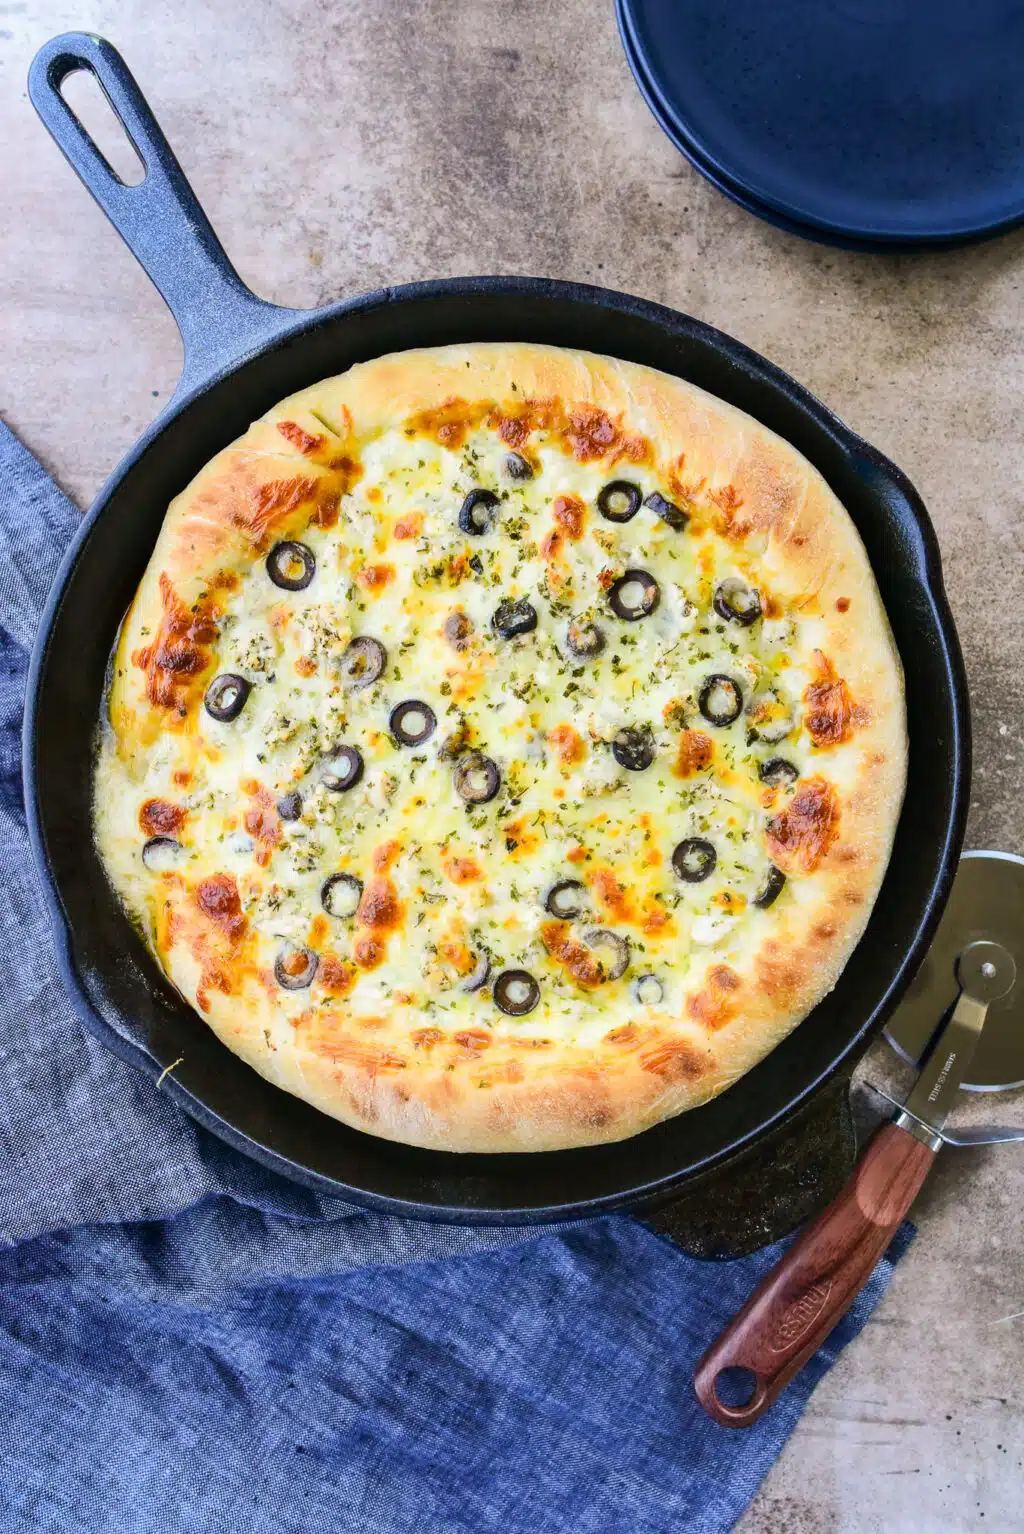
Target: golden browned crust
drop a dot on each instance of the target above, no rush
(478, 1090)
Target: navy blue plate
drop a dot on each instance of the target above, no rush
(870, 123)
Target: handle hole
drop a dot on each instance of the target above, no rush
(735, 1386)
(89, 103)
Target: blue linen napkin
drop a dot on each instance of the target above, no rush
(190, 1343)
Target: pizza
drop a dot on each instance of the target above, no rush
(504, 747)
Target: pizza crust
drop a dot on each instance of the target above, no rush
(507, 1091)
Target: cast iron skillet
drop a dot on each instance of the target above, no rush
(241, 356)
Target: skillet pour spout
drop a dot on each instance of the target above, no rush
(241, 356)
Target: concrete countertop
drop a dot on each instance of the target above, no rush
(339, 148)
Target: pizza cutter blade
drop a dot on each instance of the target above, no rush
(986, 905)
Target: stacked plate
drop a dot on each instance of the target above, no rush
(873, 124)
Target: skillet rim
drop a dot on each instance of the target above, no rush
(291, 325)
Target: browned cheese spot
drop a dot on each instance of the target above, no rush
(581, 965)
(551, 545)
(714, 1005)
(519, 838)
(694, 753)
(158, 817)
(584, 430)
(448, 423)
(179, 654)
(378, 914)
(269, 505)
(263, 824)
(461, 869)
(335, 976)
(566, 744)
(590, 433)
(800, 836)
(569, 513)
(307, 444)
(515, 422)
(728, 501)
(611, 895)
(458, 955)
(374, 578)
(218, 899)
(409, 526)
(830, 710)
(379, 907)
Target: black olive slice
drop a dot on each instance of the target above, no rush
(291, 566)
(771, 889)
(634, 595)
(720, 699)
(340, 895)
(478, 976)
(517, 467)
(289, 806)
(633, 747)
(476, 564)
(412, 722)
(477, 779)
(648, 990)
(694, 860)
(614, 960)
(516, 992)
(566, 900)
(478, 512)
(619, 501)
(778, 773)
(737, 602)
(341, 769)
(458, 629)
(669, 513)
(225, 696)
(512, 618)
(363, 661)
(161, 854)
(584, 639)
(294, 968)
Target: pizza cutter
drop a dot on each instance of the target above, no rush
(962, 1023)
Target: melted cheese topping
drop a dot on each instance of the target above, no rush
(445, 887)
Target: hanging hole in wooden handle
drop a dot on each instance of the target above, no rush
(737, 1394)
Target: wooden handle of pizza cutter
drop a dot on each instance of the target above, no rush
(811, 1288)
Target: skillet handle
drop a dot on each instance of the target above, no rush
(160, 220)
(811, 1288)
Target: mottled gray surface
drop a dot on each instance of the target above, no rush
(340, 147)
